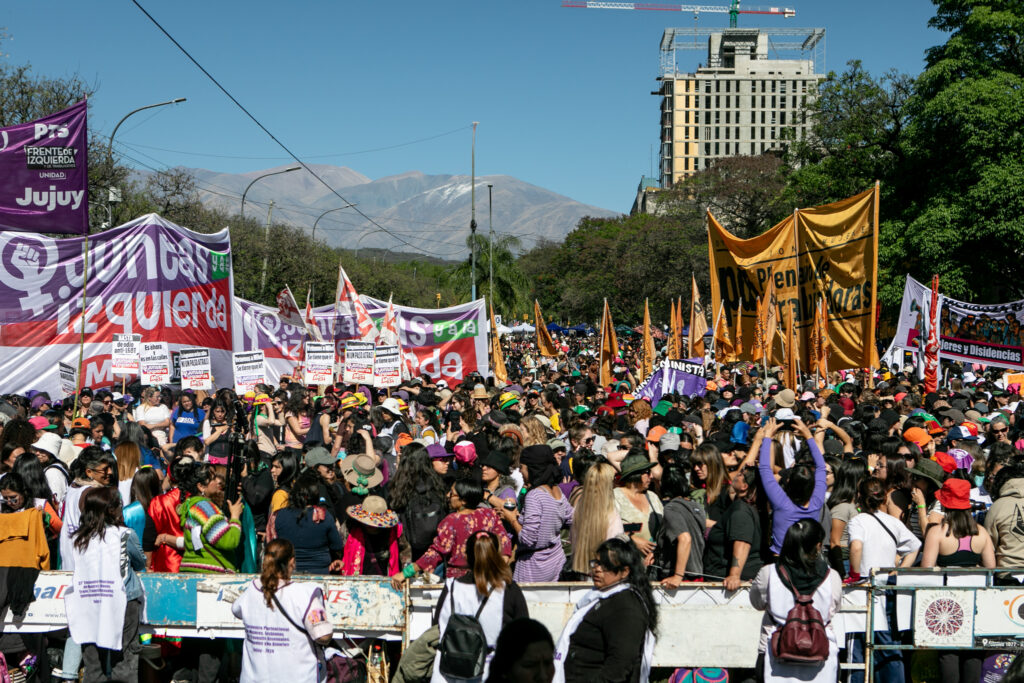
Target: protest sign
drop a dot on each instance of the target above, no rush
(827, 251)
(44, 175)
(68, 379)
(685, 377)
(990, 334)
(148, 277)
(248, 370)
(319, 363)
(359, 359)
(124, 354)
(196, 369)
(387, 366)
(154, 363)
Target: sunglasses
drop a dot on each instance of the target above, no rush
(1000, 431)
(13, 500)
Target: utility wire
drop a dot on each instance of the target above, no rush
(267, 131)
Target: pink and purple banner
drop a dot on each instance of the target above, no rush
(148, 277)
(445, 343)
(44, 175)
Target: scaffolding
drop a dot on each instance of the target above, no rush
(801, 43)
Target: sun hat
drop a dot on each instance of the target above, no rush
(392, 406)
(39, 422)
(436, 451)
(318, 455)
(929, 469)
(349, 402)
(480, 393)
(955, 494)
(507, 400)
(361, 471)
(634, 464)
(373, 511)
(262, 399)
(918, 436)
(497, 461)
(785, 398)
(361, 397)
(48, 443)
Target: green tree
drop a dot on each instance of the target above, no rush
(511, 288)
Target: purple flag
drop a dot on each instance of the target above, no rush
(685, 377)
(44, 175)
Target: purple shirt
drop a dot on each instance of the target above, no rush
(540, 556)
(785, 511)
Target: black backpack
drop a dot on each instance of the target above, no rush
(463, 645)
(422, 515)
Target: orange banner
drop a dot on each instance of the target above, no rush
(829, 251)
(545, 346)
(497, 355)
(609, 347)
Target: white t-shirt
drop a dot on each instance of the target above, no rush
(154, 415)
(879, 548)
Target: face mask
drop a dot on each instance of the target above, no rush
(979, 479)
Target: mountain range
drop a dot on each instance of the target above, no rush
(420, 212)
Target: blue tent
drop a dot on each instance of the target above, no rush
(555, 327)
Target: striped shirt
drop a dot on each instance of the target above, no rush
(540, 556)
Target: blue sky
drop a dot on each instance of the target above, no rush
(562, 95)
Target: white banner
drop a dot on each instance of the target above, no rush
(154, 363)
(319, 363)
(387, 366)
(124, 354)
(249, 370)
(68, 379)
(358, 362)
(196, 369)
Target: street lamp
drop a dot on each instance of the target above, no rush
(265, 175)
(367, 234)
(110, 147)
(490, 243)
(472, 219)
(312, 235)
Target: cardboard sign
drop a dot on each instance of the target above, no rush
(387, 366)
(68, 379)
(196, 369)
(154, 363)
(359, 358)
(124, 354)
(249, 370)
(319, 367)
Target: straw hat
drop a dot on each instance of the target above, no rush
(373, 512)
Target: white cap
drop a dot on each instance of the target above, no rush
(785, 415)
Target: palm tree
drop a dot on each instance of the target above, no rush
(511, 288)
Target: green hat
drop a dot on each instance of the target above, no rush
(575, 373)
(634, 464)
(579, 410)
(929, 469)
(662, 408)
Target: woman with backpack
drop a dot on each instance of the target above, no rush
(472, 610)
(680, 551)
(285, 622)
(417, 494)
(800, 596)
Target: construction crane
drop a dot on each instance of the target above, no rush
(733, 10)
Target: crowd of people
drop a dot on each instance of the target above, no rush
(552, 476)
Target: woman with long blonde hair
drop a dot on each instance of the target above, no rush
(596, 519)
(129, 458)
(534, 430)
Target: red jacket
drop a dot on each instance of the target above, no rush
(164, 512)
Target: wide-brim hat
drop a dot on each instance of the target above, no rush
(480, 393)
(634, 464)
(373, 511)
(929, 469)
(955, 494)
(361, 470)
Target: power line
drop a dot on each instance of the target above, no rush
(310, 156)
(265, 129)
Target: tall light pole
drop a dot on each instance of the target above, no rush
(312, 235)
(110, 147)
(472, 220)
(266, 248)
(258, 178)
(490, 242)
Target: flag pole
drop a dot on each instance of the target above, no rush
(81, 343)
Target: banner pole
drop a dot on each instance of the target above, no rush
(81, 343)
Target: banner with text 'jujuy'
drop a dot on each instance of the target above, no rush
(148, 277)
(829, 251)
(44, 175)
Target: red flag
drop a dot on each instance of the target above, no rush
(347, 304)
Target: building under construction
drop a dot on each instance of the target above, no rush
(754, 84)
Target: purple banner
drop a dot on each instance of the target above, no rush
(44, 175)
(685, 377)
